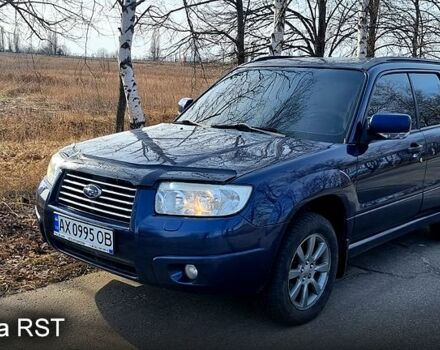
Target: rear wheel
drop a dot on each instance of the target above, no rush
(305, 271)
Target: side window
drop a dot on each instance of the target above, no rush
(392, 94)
(427, 91)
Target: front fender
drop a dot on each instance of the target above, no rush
(276, 201)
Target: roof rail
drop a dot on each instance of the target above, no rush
(366, 63)
(270, 57)
(384, 58)
(411, 59)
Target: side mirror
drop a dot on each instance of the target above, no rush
(184, 103)
(389, 126)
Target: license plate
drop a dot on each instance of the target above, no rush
(82, 233)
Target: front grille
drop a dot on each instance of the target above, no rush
(115, 202)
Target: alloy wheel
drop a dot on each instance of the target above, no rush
(309, 271)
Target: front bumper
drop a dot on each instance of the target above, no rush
(231, 254)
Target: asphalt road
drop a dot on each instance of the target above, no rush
(389, 299)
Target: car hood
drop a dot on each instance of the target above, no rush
(176, 148)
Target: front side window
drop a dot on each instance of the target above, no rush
(308, 103)
(392, 94)
(427, 91)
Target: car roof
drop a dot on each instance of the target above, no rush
(348, 63)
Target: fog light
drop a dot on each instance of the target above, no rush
(191, 272)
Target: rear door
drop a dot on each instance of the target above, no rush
(427, 91)
(391, 172)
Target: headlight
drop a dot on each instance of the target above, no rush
(190, 199)
(54, 167)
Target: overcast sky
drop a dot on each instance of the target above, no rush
(105, 18)
(107, 39)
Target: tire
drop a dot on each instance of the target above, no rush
(293, 271)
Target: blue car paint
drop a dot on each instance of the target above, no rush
(237, 253)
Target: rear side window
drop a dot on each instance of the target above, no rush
(427, 91)
(393, 94)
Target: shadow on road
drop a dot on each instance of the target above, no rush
(389, 298)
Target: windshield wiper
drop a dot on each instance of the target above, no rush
(246, 127)
(188, 122)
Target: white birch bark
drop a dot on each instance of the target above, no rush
(135, 111)
(362, 29)
(279, 21)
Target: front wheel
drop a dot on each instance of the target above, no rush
(305, 271)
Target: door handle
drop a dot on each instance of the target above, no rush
(415, 148)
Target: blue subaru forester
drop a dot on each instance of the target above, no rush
(267, 183)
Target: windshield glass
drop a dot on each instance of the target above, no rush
(314, 104)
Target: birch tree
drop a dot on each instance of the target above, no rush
(155, 45)
(279, 22)
(128, 22)
(362, 29)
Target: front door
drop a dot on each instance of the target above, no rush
(391, 173)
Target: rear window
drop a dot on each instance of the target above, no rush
(427, 91)
(315, 104)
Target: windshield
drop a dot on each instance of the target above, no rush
(314, 104)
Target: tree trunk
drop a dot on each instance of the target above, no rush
(362, 29)
(322, 28)
(279, 21)
(241, 55)
(122, 106)
(136, 114)
(2, 39)
(373, 11)
(415, 38)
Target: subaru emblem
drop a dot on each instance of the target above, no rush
(92, 191)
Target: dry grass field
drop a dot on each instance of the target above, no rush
(49, 102)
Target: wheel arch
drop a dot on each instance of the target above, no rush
(335, 209)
